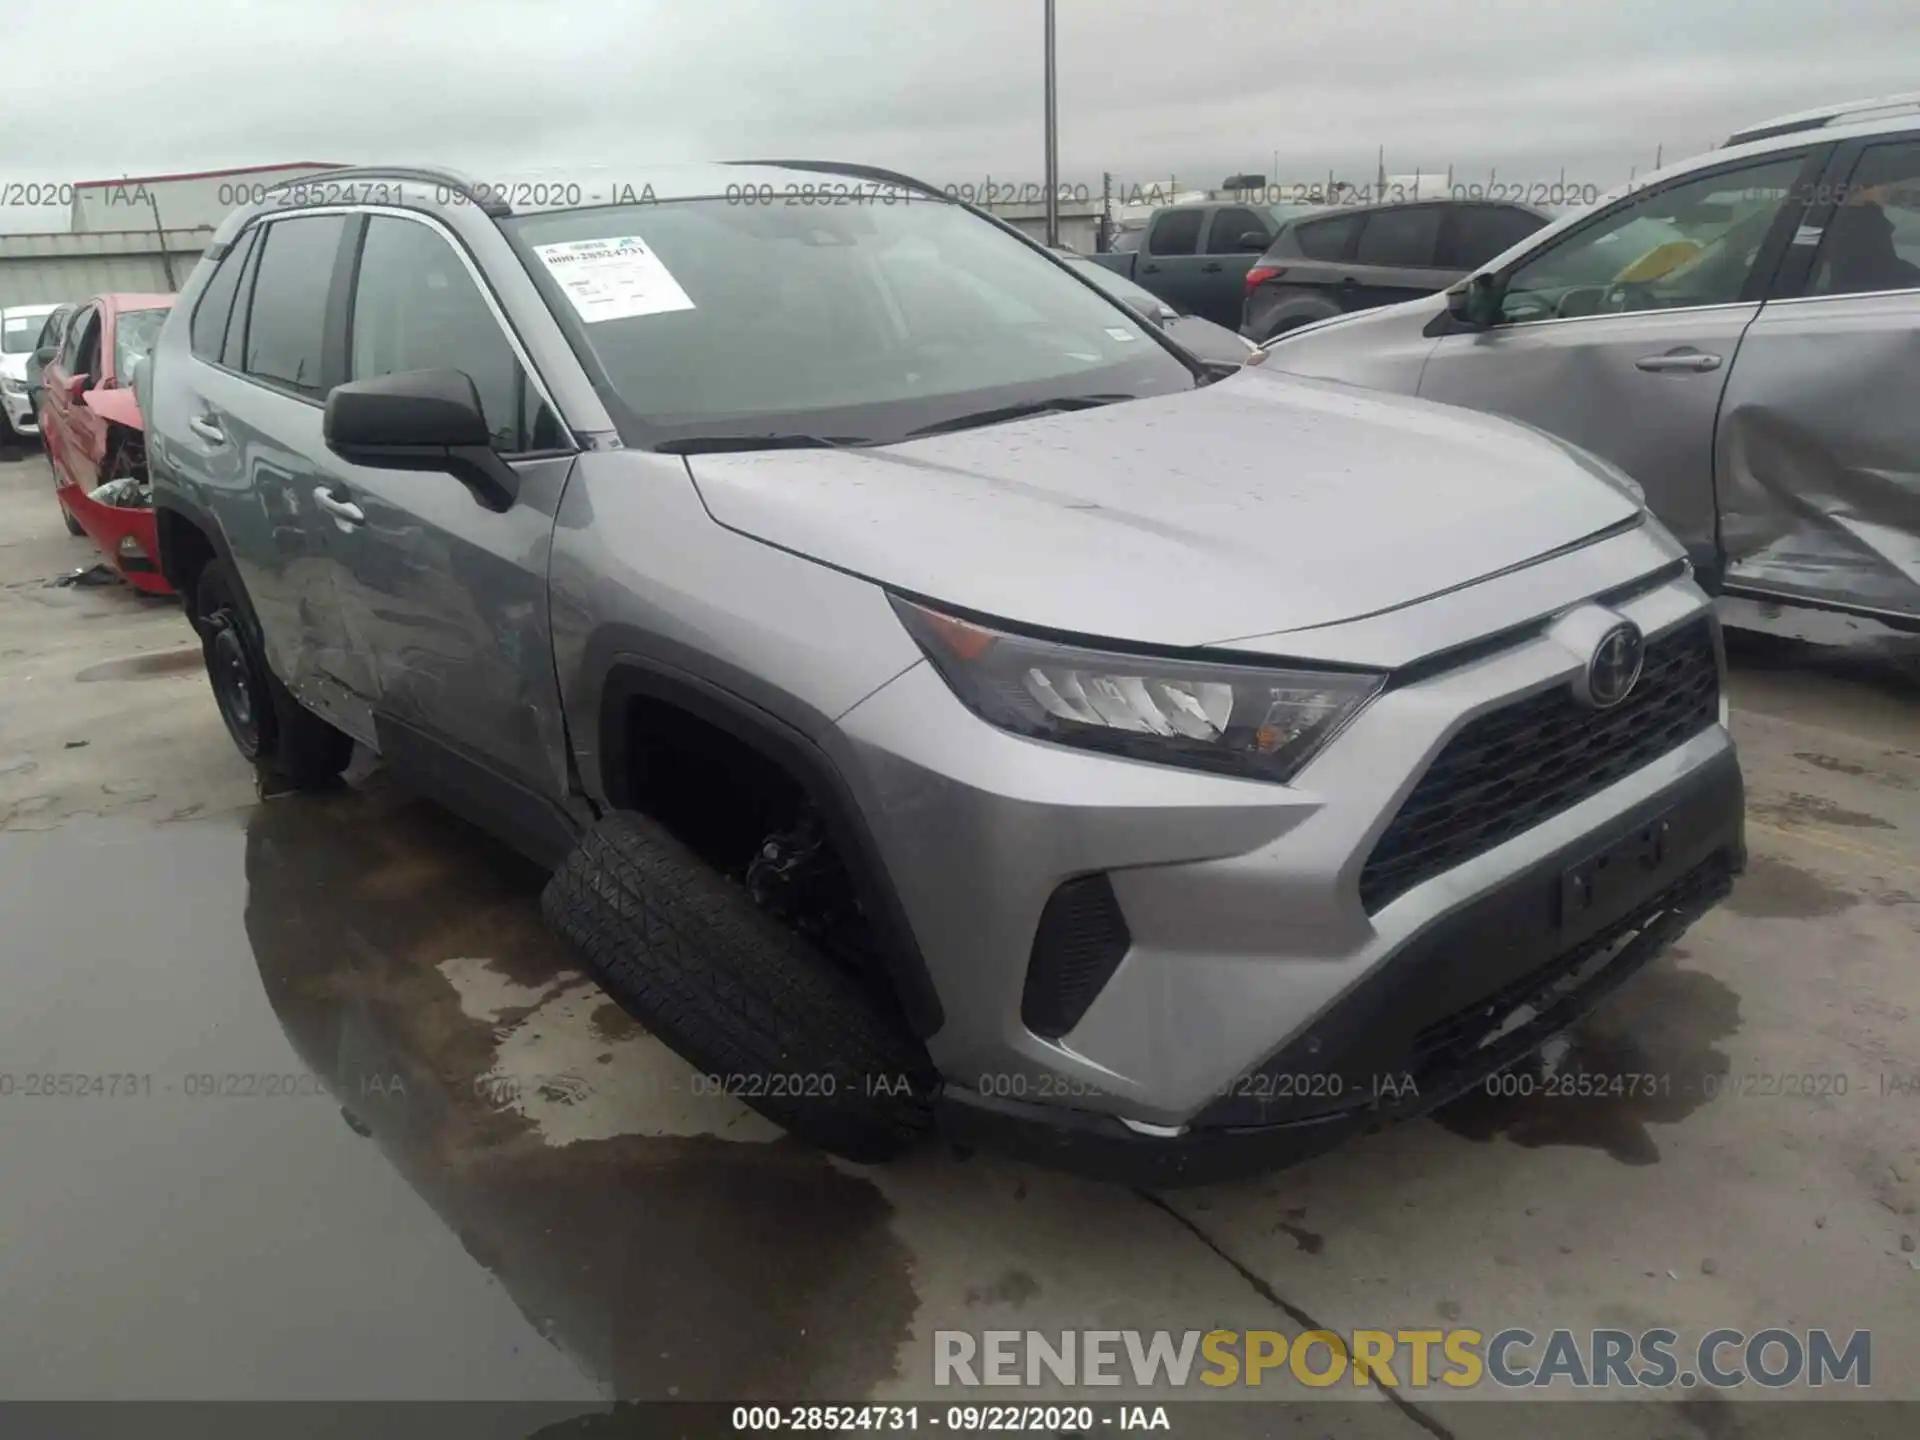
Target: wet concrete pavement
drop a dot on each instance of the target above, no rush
(349, 1123)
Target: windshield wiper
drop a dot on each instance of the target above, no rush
(725, 444)
(1015, 412)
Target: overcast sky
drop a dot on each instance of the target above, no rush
(949, 91)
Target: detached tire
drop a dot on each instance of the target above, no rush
(688, 953)
(268, 726)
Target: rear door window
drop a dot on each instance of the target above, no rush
(1403, 238)
(1872, 241)
(1176, 233)
(210, 316)
(1329, 239)
(286, 326)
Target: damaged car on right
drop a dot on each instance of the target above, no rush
(1739, 333)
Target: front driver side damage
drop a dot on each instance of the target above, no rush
(1808, 512)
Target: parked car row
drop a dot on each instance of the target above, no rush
(1262, 270)
(68, 379)
(1739, 333)
(944, 696)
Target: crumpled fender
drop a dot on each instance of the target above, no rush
(118, 406)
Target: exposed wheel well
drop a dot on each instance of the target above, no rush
(725, 780)
(185, 551)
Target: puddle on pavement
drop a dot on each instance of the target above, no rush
(141, 667)
(1655, 1038)
(662, 1242)
(1773, 889)
(405, 956)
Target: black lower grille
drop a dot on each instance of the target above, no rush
(1515, 767)
(1080, 941)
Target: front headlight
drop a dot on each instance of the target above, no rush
(1204, 714)
(12, 386)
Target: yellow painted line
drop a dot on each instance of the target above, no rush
(1834, 842)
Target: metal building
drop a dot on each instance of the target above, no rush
(140, 233)
(177, 202)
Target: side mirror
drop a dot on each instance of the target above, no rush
(43, 357)
(1475, 301)
(1256, 241)
(420, 420)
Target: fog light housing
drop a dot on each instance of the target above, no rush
(130, 548)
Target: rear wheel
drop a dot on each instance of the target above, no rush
(73, 525)
(267, 724)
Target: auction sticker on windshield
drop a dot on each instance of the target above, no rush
(613, 279)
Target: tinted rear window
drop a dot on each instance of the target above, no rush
(1474, 234)
(216, 301)
(1408, 237)
(1329, 239)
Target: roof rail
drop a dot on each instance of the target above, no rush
(489, 204)
(865, 172)
(1825, 115)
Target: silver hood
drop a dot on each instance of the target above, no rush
(1262, 503)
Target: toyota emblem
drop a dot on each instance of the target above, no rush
(1615, 667)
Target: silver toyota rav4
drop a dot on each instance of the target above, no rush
(942, 699)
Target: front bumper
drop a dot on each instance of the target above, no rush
(1465, 1000)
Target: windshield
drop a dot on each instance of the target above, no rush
(134, 332)
(18, 332)
(1118, 286)
(866, 322)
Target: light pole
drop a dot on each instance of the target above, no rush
(1053, 142)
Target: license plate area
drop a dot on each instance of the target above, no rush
(1610, 879)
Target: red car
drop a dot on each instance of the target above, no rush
(95, 437)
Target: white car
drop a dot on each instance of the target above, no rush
(20, 327)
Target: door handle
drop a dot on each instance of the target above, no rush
(1692, 362)
(207, 430)
(1348, 280)
(1211, 266)
(1149, 269)
(344, 511)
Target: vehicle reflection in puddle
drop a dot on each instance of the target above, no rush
(671, 1241)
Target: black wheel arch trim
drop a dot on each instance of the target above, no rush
(630, 677)
(171, 509)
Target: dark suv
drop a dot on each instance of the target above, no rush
(1323, 265)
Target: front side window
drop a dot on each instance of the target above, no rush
(287, 324)
(1229, 225)
(134, 332)
(869, 322)
(415, 307)
(1872, 241)
(1691, 243)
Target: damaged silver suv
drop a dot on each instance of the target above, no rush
(943, 699)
